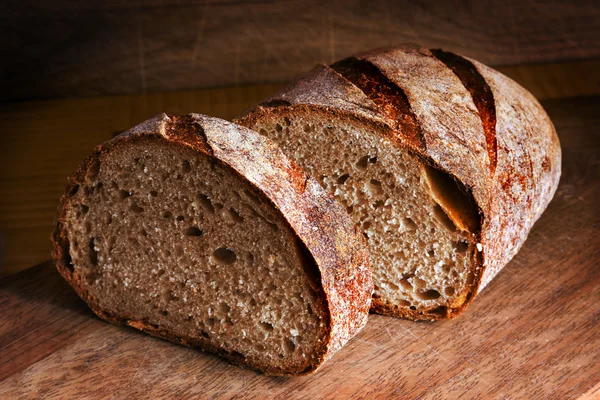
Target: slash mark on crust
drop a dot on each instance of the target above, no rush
(482, 96)
(389, 98)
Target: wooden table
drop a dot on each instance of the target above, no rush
(533, 333)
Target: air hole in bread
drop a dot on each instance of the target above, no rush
(93, 171)
(123, 194)
(73, 191)
(93, 251)
(273, 226)
(404, 303)
(180, 218)
(206, 203)
(193, 231)
(461, 246)
(375, 187)
(65, 252)
(418, 282)
(84, 209)
(153, 193)
(406, 285)
(362, 163)
(235, 216)
(136, 208)
(167, 215)
(441, 310)
(342, 179)
(279, 128)
(186, 166)
(430, 294)
(289, 346)
(224, 308)
(449, 291)
(409, 224)
(224, 256)
(267, 327)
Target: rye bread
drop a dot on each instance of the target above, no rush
(130, 231)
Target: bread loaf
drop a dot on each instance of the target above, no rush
(202, 232)
(442, 162)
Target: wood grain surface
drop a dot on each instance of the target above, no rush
(44, 141)
(72, 48)
(533, 333)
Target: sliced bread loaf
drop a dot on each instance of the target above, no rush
(202, 232)
(442, 162)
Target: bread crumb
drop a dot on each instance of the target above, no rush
(479, 247)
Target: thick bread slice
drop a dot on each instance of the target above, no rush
(202, 232)
(444, 163)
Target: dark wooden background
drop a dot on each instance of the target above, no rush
(67, 48)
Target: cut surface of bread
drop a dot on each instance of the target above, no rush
(159, 235)
(421, 259)
(443, 163)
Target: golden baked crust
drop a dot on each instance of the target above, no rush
(321, 225)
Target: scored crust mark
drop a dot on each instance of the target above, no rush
(482, 96)
(391, 101)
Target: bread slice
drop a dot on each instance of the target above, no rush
(442, 162)
(202, 232)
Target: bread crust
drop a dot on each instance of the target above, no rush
(322, 227)
(512, 176)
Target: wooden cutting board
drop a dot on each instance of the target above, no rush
(534, 332)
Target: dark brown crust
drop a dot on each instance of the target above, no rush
(482, 96)
(528, 152)
(320, 224)
(391, 101)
